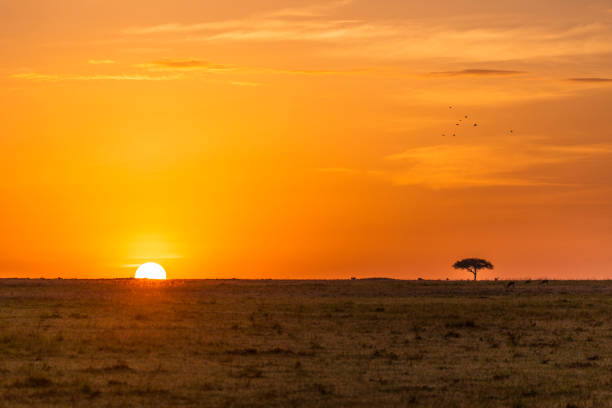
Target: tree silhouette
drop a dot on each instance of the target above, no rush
(473, 265)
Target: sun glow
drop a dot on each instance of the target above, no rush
(150, 270)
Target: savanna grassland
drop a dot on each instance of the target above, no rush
(305, 343)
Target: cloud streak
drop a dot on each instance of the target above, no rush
(272, 20)
(182, 65)
(101, 62)
(591, 80)
(35, 76)
(336, 170)
(245, 83)
(477, 73)
(194, 64)
(449, 39)
(479, 165)
(310, 11)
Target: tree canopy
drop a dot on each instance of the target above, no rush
(473, 265)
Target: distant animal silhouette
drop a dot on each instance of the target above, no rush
(473, 265)
(510, 285)
(543, 281)
(528, 281)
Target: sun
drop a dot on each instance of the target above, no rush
(150, 270)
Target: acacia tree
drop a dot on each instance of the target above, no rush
(473, 265)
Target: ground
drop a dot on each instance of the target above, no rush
(305, 343)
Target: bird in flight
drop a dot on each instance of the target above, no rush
(459, 122)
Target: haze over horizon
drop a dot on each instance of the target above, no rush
(306, 139)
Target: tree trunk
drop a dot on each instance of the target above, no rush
(474, 271)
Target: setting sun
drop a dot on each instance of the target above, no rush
(150, 270)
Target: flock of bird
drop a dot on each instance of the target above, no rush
(464, 122)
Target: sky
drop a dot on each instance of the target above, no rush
(306, 139)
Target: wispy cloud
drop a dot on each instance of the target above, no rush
(310, 11)
(446, 39)
(459, 166)
(591, 80)
(35, 76)
(175, 67)
(485, 42)
(313, 72)
(179, 28)
(271, 20)
(339, 170)
(182, 65)
(477, 73)
(332, 30)
(277, 25)
(244, 83)
(346, 171)
(194, 64)
(101, 62)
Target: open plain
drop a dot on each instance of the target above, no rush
(345, 343)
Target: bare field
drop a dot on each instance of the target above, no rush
(305, 343)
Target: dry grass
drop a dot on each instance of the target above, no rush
(305, 343)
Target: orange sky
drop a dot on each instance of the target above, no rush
(303, 139)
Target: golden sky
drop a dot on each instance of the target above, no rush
(305, 139)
